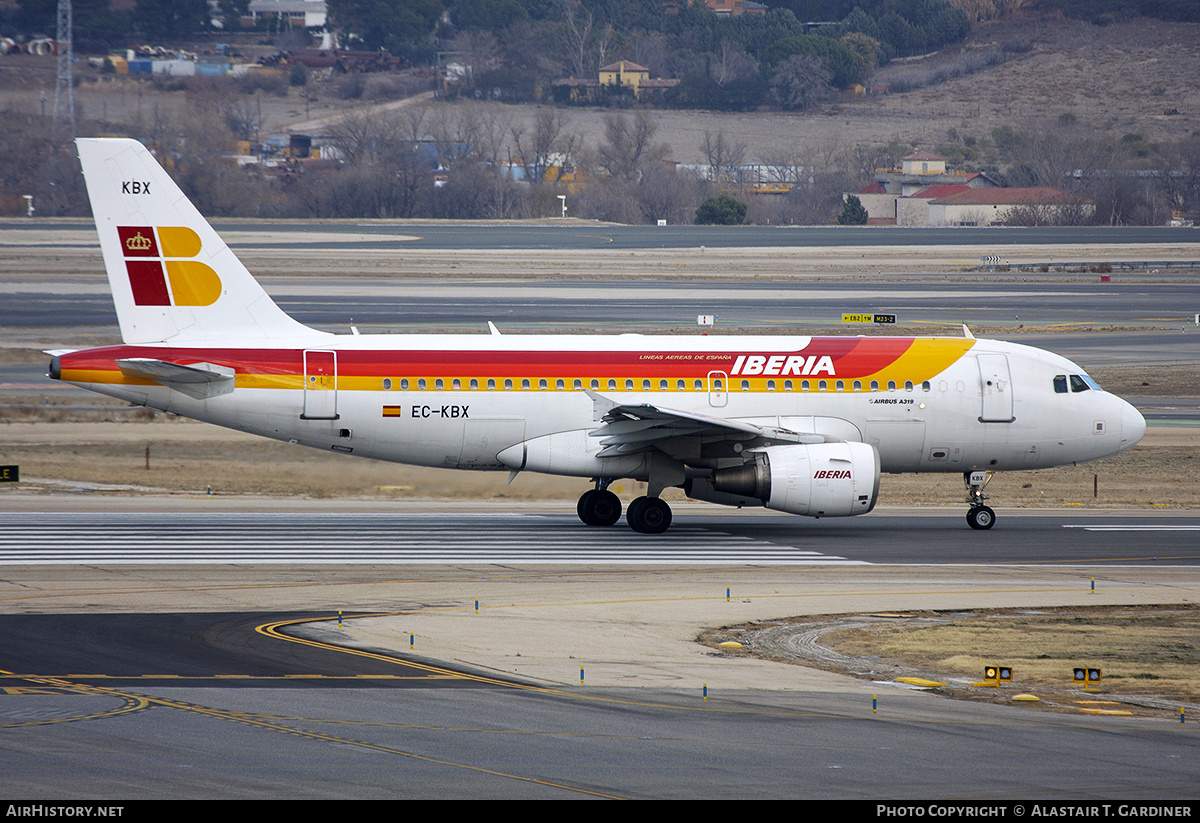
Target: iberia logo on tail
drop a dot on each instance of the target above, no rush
(162, 271)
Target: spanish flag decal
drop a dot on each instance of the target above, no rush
(161, 269)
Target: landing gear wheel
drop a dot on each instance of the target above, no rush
(599, 507)
(981, 517)
(649, 515)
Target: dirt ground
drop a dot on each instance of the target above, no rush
(1148, 655)
(1117, 79)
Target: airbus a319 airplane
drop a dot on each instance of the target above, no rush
(796, 424)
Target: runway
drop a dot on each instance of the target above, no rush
(576, 235)
(653, 304)
(371, 539)
(699, 537)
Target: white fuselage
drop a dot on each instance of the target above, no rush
(994, 407)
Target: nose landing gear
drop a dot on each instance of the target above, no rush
(979, 516)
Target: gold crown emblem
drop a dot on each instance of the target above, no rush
(137, 243)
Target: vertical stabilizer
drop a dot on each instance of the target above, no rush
(173, 278)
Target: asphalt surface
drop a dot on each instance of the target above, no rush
(568, 235)
(157, 698)
(409, 304)
(700, 535)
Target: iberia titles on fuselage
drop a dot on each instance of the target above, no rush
(798, 424)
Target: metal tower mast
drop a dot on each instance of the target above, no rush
(64, 88)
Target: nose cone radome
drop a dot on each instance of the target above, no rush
(1133, 426)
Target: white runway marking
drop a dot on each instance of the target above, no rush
(110, 539)
(1135, 528)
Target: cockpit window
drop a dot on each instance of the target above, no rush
(1079, 383)
(1095, 386)
(1060, 384)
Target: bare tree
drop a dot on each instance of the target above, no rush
(602, 44)
(649, 50)
(730, 62)
(801, 82)
(722, 154)
(1178, 175)
(627, 150)
(547, 144)
(478, 50)
(368, 136)
(666, 195)
(577, 34)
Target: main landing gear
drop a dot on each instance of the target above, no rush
(600, 507)
(649, 515)
(979, 516)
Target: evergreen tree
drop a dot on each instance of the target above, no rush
(721, 211)
(853, 213)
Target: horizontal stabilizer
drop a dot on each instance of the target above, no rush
(198, 380)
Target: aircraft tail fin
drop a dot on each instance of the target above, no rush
(173, 278)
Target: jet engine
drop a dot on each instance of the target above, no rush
(819, 480)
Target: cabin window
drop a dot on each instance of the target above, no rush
(770, 385)
(1060, 384)
(577, 385)
(908, 385)
(612, 385)
(628, 385)
(560, 384)
(681, 385)
(438, 384)
(491, 384)
(787, 385)
(524, 384)
(822, 385)
(745, 385)
(403, 384)
(387, 384)
(717, 385)
(421, 384)
(542, 385)
(663, 385)
(456, 384)
(874, 385)
(474, 384)
(925, 386)
(645, 385)
(840, 385)
(891, 385)
(699, 385)
(508, 384)
(805, 385)
(595, 384)
(858, 385)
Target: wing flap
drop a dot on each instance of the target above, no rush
(629, 429)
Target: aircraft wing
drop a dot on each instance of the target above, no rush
(629, 429)
(198, 380)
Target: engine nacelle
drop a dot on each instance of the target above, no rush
(819, 480)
